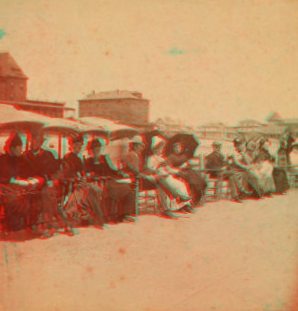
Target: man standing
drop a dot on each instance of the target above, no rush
(216, 161)
(134, 165)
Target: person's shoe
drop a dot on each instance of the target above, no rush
(236, 199)
(128, 219)
(168, 214)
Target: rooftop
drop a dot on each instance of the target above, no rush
(117, 94)
(9, 67)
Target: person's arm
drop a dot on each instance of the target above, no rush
(236, 162)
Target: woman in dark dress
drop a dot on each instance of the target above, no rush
(23, 196)
(84, 202)
(119, 196)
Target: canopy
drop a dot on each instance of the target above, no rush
(15, 119)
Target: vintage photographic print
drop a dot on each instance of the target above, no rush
(148, 155)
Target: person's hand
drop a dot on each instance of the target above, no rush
(23, 183)
(50, 183)
(150, 178)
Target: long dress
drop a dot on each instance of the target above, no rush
(175, 187)
(22, 205)
(196, 182)
(119, 196)
(84, 202)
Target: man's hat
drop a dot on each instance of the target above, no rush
(216, 143)
(238, 141)
(95, 143)
(137, 140)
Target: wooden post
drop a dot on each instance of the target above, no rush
(60, 146)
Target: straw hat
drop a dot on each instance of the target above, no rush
(157, 141)
(216, 144)
(137, 140)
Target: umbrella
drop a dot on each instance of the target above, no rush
(124, 133)
(189, 141)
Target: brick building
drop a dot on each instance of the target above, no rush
(13, 91)
(13, 82)
(123, 106)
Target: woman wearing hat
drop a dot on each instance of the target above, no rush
(166, 176)
(85, 201)
(119, 194)
(196, 183)
(23, 197)
(275, 178)
(241, 164)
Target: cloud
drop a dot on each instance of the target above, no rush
(2, 33)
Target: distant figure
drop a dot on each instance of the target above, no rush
(294, 156)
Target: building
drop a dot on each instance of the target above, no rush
(247, 125)
(169, 126)
(215, 131)
(13, 91)
(13, 82)
(122, 106)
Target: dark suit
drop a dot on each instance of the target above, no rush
(119, 198)
(216, 160)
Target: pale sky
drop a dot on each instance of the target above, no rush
(197, 60)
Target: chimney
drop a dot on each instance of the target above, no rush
(117, 92)
(93, 92)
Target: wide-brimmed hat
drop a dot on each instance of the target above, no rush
(251, 145)
(157, 141)
(137, 140)
(78, 139)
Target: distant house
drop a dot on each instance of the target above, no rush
(13, 91)
(170, 127)
(247, 125)
(123, 106)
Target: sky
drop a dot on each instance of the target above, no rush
(195, 60)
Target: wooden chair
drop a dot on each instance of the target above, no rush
(217, 188)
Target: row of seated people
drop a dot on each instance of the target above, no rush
(30, 182)
(251, 170)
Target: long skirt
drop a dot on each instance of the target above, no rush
(84, 203)
(120, 199)
(264, 175)
(176, 188)
(197, 184)
(24, 207)
(280, 180)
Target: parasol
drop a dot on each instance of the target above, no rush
(189, 141)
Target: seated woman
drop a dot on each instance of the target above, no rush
(241, 163)
(85, 200)
(196, 182)
(263, 167)
(23, 196)
(166, 176)
(119, 196)
(278, 173)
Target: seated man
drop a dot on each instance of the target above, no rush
(216, 161)
(134, 166)
(119, 195)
